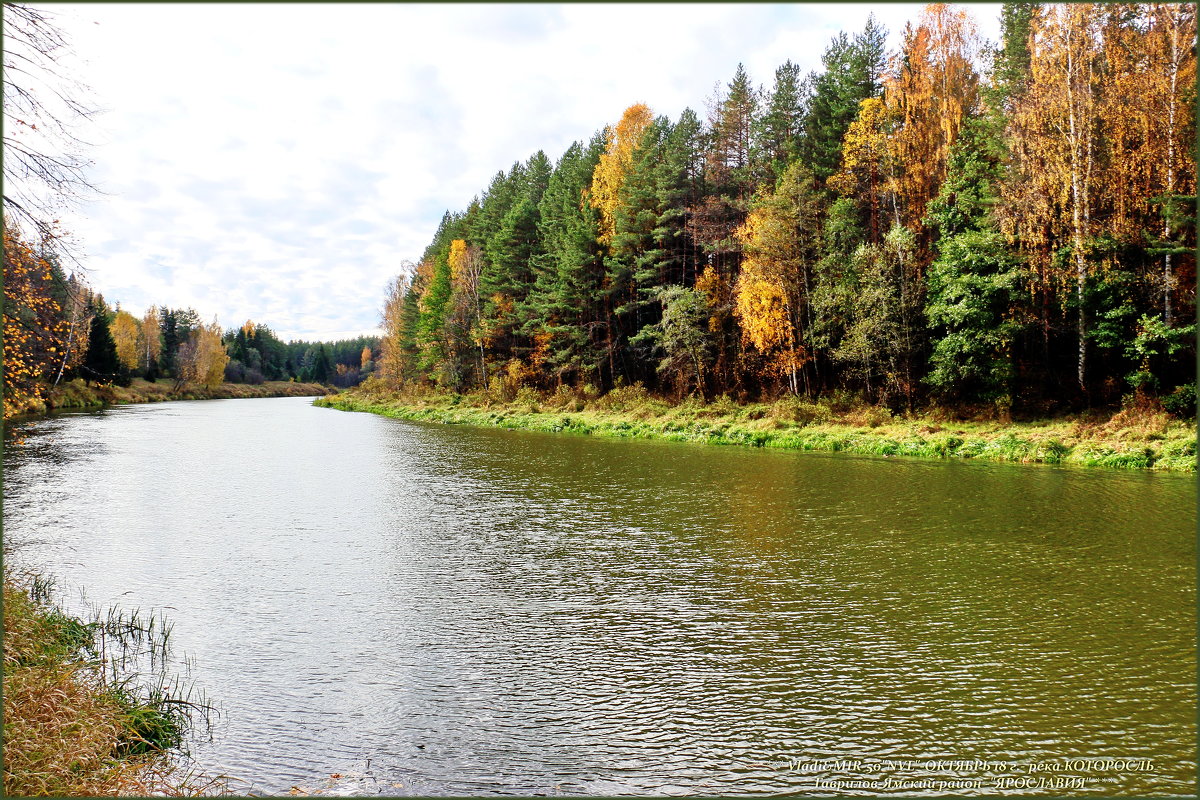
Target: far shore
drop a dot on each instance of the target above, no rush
(79, 395)
(1131, 439)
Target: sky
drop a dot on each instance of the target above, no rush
(281, 163)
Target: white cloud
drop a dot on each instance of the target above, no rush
(280, 162)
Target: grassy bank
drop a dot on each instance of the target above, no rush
(1130, 439)
(78, 394)
(70, 729)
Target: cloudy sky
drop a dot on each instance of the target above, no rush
(281, 162)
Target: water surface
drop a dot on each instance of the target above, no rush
(457, 611)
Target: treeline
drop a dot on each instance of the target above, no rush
(1010, 227)
(58, 329)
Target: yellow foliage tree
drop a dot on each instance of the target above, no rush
(615, 163)
(1147, 119)
(202, 358)
(33, 325)
(868, 171)
(392, 358)
(1053, 137)
(781, 243)
(149, 339)
(934, 85)
(125, 334)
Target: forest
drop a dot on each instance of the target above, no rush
(57, 329)
(1008, 229)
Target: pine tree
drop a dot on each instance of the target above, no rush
(563, 304)
(853, 69)
(781, 126)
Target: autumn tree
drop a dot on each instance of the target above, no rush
(615, 163)
(149, 343)
(1053, 140)
(396, 357)
(202, 357)
(463, 317)
(869, 167)
(933, 87)
(34, 328)
(1147, 126)
(781, 240)
(125, 334)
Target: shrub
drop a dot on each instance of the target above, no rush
(723, 406)
(563, 397)
(1181, 402)
(527, 398)
(796, 409)
(624, 398)
(868, 416)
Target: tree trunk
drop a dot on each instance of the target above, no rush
(1077, 201)
(1168, 277)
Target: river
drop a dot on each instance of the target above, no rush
(461, 611)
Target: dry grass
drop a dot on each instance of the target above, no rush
(66, 733)
(78, 394)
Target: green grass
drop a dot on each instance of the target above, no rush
(1131, 439)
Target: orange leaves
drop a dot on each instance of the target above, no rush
(615, 164)
(933, 87)
(32, 324)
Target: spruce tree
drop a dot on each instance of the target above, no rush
(100, 362)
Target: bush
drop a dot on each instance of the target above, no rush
(868, 416)
(527, 398)
(796, 409)
(624, 398)
(563, 397)
(1181, 402)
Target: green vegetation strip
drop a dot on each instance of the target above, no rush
(78, 394)
(1126, 440)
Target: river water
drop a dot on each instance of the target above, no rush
(455, 611)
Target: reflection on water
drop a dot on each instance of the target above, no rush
(463, 611)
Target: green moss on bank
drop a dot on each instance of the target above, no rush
(1126, 440)
(77, 394)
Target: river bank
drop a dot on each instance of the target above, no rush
(71, 729)
(1130, 439)
(78, 394)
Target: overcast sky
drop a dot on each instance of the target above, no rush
(280, 162)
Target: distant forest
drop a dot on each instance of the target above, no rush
(1009, 228)
(57, 329)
